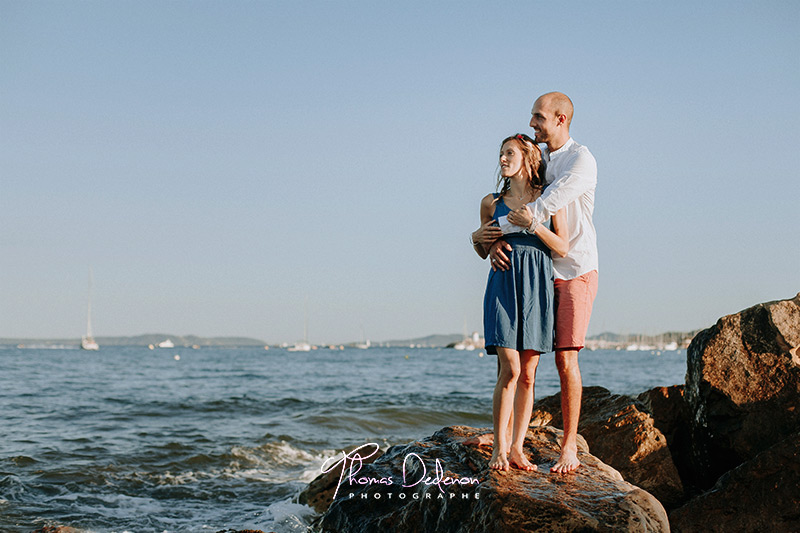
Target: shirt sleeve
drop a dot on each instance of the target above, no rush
(579, 177)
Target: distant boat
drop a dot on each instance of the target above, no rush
(166, 344)
(468, 343)
(302, 346)
(87, 341)
(363, 345)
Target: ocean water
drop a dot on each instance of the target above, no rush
(174, 440)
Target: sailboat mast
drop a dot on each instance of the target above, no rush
(305, 321)
(89, 309)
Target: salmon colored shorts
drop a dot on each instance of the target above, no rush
(574, 299)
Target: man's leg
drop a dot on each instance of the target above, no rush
(571, 390)
(574, 299)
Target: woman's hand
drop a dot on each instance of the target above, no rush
(521, 217)
(487, 234)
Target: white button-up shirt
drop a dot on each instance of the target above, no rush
(572, 178)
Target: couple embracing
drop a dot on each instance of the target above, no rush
(538, 231)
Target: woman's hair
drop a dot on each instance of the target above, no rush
(531, 163)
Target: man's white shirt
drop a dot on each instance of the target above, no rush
(572, 178)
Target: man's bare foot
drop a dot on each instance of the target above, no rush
(567, 462)
(487, 439)
(517, 459)
(499, 461)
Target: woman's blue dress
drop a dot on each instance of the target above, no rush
(518, 307)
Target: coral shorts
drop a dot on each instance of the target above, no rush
(574, 299)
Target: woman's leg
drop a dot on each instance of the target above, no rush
(502, 405)
(523, 405)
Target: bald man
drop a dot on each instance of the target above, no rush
(572, 177)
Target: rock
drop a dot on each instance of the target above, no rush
(622, 434)
(743, 386)
(240, 531)
(759, 495)
(319, 493)
(668, 408)
(671, 416)
(450, 488)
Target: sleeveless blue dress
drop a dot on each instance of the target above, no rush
(518, 307)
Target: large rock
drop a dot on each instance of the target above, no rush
(743, 385)
(762, 494)
(671, 417)
(622, 434)
(450, 488)
(319, 493)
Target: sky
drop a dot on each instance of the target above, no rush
(229, 168)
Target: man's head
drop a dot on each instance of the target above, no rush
(550, 119)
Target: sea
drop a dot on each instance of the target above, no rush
(129, 439)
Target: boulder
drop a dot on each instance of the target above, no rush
(743, 386)
(240, 531)
(671, 416)
(319, 493)
(668, 408)
(760, 495)
(622, 434)
(439, 484)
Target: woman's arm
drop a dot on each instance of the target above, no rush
(483, 237)
(558, 239)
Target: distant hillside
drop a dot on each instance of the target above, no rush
(669, 336)
(431, 341)
(143, 340)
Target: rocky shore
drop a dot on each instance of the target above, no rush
(720, 453)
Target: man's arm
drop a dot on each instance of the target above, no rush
(577, 179)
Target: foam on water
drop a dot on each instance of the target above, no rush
(289, 517)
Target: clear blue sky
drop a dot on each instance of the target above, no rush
(218, 162)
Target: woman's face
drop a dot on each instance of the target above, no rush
(510, 159)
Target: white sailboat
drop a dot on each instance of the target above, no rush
(302, 346)
(365, 343)
(87, 341)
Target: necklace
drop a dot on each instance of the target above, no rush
(522, 196)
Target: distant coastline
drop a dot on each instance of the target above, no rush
(602, 341)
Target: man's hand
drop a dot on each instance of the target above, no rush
(498, 256)
(487, 234)
(521, 217)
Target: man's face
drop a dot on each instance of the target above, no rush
(543, 120)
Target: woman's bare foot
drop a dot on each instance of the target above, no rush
(567, 462)
(486, 439)
(517, 459)
(499, 461)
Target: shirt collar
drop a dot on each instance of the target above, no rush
(567, 146)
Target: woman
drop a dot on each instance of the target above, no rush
(518, 304)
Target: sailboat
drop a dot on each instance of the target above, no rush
(88, 342)
(364, 344)
(302, 346)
